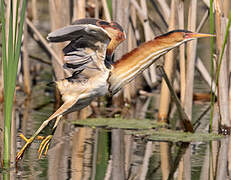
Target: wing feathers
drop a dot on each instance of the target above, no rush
(87, 48)
(76, 31)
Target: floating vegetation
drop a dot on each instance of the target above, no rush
(177, 136)
(149, 129)
(120, 123)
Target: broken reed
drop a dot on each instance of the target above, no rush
(10, 57)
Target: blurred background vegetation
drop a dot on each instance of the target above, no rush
(191, 68)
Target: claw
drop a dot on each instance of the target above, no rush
(44, 146)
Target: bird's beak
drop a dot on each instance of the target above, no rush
(197, 35)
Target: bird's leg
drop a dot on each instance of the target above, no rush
(67, 105)
(29, 141)
(43, 148)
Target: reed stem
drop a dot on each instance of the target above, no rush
(10, 66)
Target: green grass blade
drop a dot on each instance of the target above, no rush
(223, 48)
(16, 23)
(4, 57)
(7, 98)
(20, 31)
(10, 70)
(109, 5)
(212, 95)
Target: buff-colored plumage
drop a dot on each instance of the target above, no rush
(92, 42)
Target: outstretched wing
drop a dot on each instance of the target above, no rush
(87, 47)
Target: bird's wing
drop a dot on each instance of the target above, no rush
(87, 47)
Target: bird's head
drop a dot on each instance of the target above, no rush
(115, 32)
(176, 37)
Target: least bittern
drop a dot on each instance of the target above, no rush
(93, 74)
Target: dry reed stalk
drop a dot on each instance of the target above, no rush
(120, 15)
(180, 170)
(45, 43)
(221, 172)
(139, 10)
(207, 2)
(165, 160)
(214, 144)
(78, 151)
(229, 157)
(34, 11)
(165, 96)
(168, 66)
(227, 7)
(191, 57)
(165, 8)
(145, 164)
(203, 21)
(106, 11)
(205, 74)
(182, 52)
(191, 52)
(96, 10)
(26, 64)
(59, 13)
(79, 9)
(223, 76)
(128, 153)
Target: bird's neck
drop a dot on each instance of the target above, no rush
(136, 61)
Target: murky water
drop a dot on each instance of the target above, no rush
(97, 153)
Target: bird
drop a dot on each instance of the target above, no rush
(93, 74)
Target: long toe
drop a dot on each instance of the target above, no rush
(43, 148)
(21, 152)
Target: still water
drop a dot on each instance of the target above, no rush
(99, 153)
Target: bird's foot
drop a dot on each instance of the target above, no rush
(43, 148)
(21, 152)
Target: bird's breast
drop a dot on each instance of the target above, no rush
(90, 88)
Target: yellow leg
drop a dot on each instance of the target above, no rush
(43, 148)
(29, 141)
(58, 115)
